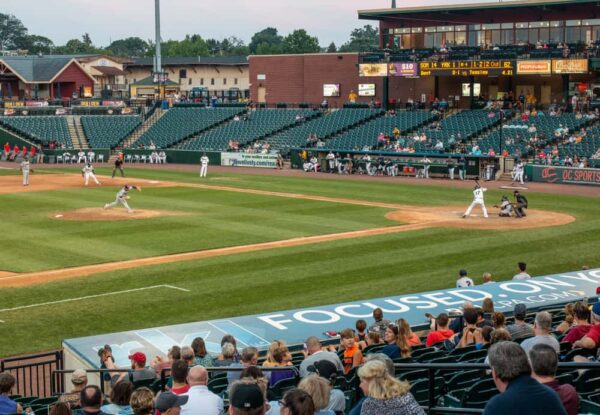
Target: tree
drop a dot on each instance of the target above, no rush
(300, 42)
(11, 29)
(362, 39)
(267, 41)
(87, 40)
(131, 47)
(78, 47)
(192, 45)
(35, 44)
(331, 48)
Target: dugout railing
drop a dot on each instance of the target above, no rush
(33, 373)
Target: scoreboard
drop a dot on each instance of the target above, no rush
(467, 68)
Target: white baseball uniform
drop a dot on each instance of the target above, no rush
(477, 200)
(519, 170)
(121, 198)
(204, 167)
(25, 171)
(88, 172)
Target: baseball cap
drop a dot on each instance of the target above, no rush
(246, 396)
(138, 357)
(462, 272)
(168, 400)
(324, 368)
(596, 308)
(78, 377)
(520, 310)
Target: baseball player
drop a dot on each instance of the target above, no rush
(451, 166)
(88, 172)
(426, 165)
(506, 208)
(122, 197)
(204, 165)
(331, 161)
(520, 205)
(25, 170)
(519, 170)
(118, 165)
(477, 200)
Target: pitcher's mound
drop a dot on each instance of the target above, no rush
(118, 213)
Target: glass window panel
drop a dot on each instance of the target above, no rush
(496, 37)
(533, 35)
(474, 27)
(591, 22)
(490, 26)
(522, 35)
(507, 25)
(556, 35)
(430, 29)
(534, 24)
(449, 38)
(462, 28)
(573, 34)
(556, 23)
(445, 28)
(573, 22)
(473, 38)
(544, 34)
(596, 33)
(508, 37)
(429, 40)
(521, 25)
(460, 38)
(416, 29)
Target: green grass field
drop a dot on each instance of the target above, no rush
(262, 281)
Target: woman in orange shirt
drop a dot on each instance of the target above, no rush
(353, 357)
(404, 330)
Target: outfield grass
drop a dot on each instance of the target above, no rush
(262, 281)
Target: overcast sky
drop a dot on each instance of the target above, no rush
(107, 20)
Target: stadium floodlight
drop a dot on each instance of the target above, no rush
(157, 57)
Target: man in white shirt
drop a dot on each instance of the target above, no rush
(315, 353)
(522, 275)
(200, 399)
(463, 281)
(81, 156)
(204, 165)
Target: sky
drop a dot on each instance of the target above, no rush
(108, 20)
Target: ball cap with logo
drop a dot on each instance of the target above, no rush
(168, 400)
(138, 357)
(247, 396)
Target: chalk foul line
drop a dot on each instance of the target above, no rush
(87, 297)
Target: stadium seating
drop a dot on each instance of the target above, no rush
(259, 125)
(586, 148)
(366, 134)
(180, 123)
(323, 127)
(107, 131)
(40, 128)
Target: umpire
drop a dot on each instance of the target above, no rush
(118, 165)
(520, 204)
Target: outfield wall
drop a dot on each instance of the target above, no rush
(563, 175)
(294, 326)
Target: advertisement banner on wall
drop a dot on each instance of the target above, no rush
(404, 69)
(373, 69)
(570, 66)
(565, 175)
(267, 161)
(543, 67)
(366, 90)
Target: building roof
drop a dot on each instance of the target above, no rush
(39, 69)
(150, 81)
(109, 70)
(402, 12)
(192, 60)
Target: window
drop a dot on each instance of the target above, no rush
(201, 81)
(235, 81)
(573, 34)
(533, 35)
(556, 35)
(521, 25)
(508, 37)
(224, 81)
(212, 81)
(429, 40)
(522, 35)
(544, 34)
(182, 73)
(460, 38)
(462, 28)
(507, 26)
(190, 81)
(490, 26)
(430, 29)
(417, 30)
(591, 22)
(573, 22)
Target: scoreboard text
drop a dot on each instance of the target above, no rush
(467, 68)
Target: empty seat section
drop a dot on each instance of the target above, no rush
(107, 131)
(40, 128)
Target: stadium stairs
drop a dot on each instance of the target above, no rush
(145, 126)
(76, 132)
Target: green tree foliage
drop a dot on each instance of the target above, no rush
(331, 48)
(192, 45)
(11, 29)
(35, 44)
(300, 42)
(266, 42)
(78, 47)
(131, 47)
(362, 39)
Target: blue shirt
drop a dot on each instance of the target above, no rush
(391, 350)
(7, 406)
(525, 396)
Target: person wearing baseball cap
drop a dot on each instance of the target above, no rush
(463, 281)
(246, 399)
(167, 403)
(520, 328)
(140, 371)
(592, 339)
(327, 370)
(79, 380)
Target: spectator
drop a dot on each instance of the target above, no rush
(201, 356)
(390, 338)
(405, 331)
(544, 363)
(520, 328)
(361, 333)
(542, 328)
(581, 324)
(487, 306)
(319, 390)
(7, 405)
(457, 324)
(592, 339)
(385, 394)
(249, 358)
(227, 356)
(79, 380)
(483, 318)
(498, 320)
(158, 363)
(440, 330)
(279, 356)
(201, 400)
(471, 333)
(522, 275)
(246, 399)
(567, 323)
(372, 338)
(353, 357)
(187, 354)
(389, 365)
(120, 396)
(380, 323)
(463, 281)
(314, 353)
(228, 338)
(487, 278)
(168, 403)
(328, 371)
(61, 408)
(142, 401)
(139, 370)
(297, 402)
(519, 393)
(179, 372)
(90, 400)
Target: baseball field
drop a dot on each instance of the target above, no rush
(237, 244)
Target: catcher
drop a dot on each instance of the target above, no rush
(521, 204)
(122, 197)
(506, 208)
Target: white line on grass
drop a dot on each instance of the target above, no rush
(67, 300)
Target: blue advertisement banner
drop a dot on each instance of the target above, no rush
(294, 326)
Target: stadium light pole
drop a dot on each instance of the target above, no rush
(157, 57)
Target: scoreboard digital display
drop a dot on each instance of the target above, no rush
(467, 68)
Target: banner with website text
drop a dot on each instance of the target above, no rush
(564, 175)
(268, 161)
